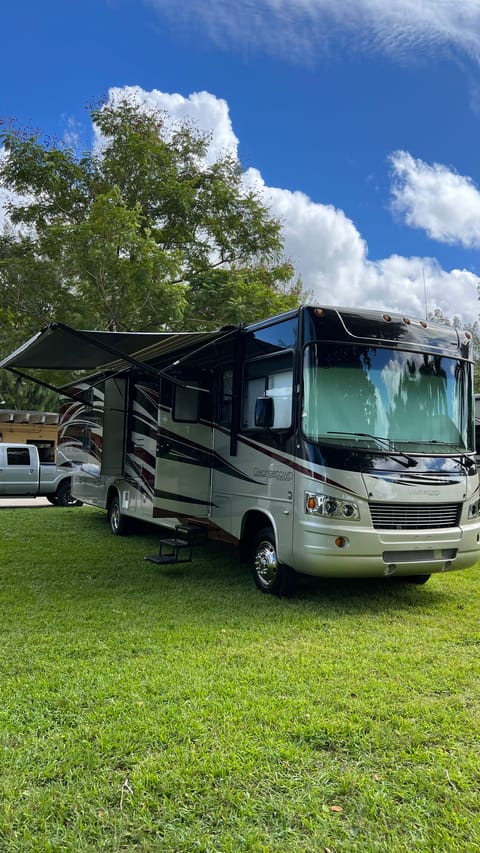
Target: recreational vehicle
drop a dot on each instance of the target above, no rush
(324, 441)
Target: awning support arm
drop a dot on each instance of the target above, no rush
(54, 388)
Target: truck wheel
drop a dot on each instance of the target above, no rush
(64, 495)
(269, 575)
(118, 522)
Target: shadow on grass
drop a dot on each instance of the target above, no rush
(216, 575)
(220, 566)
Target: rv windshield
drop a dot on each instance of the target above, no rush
(357, 395)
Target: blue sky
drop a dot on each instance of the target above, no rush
(358, 121)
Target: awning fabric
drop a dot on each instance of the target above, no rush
(60, 347)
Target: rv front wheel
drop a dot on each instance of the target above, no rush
(118, 523)
(269, 575)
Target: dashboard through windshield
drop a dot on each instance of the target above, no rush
(389, 399)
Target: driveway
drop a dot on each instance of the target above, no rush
(7, 503)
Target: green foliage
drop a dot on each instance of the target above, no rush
(19, 393)
(136, 233)
(148, 709)
(473, 328)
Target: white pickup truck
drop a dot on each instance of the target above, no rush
(23, 475)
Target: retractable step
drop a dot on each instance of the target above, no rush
(180, 546)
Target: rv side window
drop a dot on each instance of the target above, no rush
(226, 397)
(269, 377)
(186, 404)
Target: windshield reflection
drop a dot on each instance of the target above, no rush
(360, 394)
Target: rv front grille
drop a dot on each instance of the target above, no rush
(414, 516)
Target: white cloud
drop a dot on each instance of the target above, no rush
(331, 257)
(302, 28)
(208, 113)
(71, 134)
(443, 203)
(7, 197)
(325, 246)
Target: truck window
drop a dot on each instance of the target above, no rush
(46, 450)
(18, 456)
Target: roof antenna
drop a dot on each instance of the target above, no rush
(424, 292)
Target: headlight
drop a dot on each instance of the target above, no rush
(474, 510)
(316, 504)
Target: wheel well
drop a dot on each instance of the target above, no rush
(67, 481)
(253, 521)
(112, 493)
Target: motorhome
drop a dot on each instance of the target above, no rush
(324, 441)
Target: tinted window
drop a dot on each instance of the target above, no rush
(271, 339)
(18, 456)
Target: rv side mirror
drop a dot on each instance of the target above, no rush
(264, 413)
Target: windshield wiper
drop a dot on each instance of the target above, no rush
(385, 444)
(462, 458)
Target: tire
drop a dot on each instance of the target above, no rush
(118, 523)
(64, 495)
(270, 576)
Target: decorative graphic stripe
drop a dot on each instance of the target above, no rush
(191, 453)
(184, 499)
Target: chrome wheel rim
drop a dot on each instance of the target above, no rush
(266, 565)
(115, 516)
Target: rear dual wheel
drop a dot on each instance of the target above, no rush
(118, 522)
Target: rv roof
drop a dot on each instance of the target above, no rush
(59, 347)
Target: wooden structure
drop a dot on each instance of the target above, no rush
(29, 427)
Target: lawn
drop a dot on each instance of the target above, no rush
(178, 709)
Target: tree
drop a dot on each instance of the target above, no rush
(139, 233)
(439, 317)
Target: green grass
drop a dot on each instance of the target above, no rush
(148, 708)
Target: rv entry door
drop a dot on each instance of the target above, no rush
(184, 447)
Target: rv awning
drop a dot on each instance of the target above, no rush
(59, 347)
